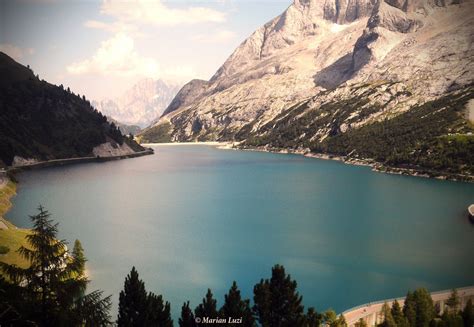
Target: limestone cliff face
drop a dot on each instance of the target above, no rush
(328, 51)
(190, 92)
(304, 19)
(141, 104)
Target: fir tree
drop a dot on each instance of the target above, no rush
(425, 311)
(409, 309)
(79, 258)
(52, 287)
(277, 303)
(453, 301)
(398, 316)
(158, 313)
(313, 319)
(235, 307)
(388, 320)
(451, 319)
(137, 308)
(468, 314)
(331, 319)
(208, 307)
(187, 316)
(132, 301)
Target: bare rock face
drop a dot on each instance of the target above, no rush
(190, 92)
(328, 51)
(141, 104)
(303, 20)
(427, 44)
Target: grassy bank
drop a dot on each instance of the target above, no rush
(12, 237)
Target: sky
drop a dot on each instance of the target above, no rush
(101, 48)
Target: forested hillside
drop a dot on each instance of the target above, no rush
(42, 121)
(434, 136)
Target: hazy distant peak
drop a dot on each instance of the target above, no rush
(142, 103)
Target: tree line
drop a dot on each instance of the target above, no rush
(52, 292)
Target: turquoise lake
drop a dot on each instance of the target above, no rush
(193, 217)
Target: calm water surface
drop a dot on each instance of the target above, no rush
(193, 217)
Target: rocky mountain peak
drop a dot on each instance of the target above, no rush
(301, 20)
(363, 60)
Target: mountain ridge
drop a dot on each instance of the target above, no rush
(393, 58)
(40, 121)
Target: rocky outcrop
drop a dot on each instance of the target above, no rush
(112, 149)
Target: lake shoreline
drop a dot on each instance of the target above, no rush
(70, 161)
(374, 165)
(257, 189)
(11, 236)
(7, 178)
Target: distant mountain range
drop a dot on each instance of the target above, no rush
(40, 121)
(124, 128)
(386, 80)
(142, 104)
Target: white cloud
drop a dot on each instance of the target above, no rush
(117, 57)
(15, 52)
(221, 36)
(156, 13)
(115, 27)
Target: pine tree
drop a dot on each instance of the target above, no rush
(313, 319)
(453, 301)
(468, 314)
(263, 305)
(235, 307)
(451, 319)
(277, 303)
(157, 312)
(187, 316)
(208, 307)
(388, 320)
(52, 287)
(79, 258)
(425, 311)
(341, 321)
(409, 309)
(330, 317)
(398, 316)
(132, 301)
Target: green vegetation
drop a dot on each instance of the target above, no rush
(51, 290)
(434, 136)
(4, 249)
(12, 237)
(235, 306)
(43, 121)
(276, 300)
(6, 193)
(139, 308)
(417, 138)
(157, 134)
(130, 141)
(419, 311)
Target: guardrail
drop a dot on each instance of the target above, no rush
(371, 311)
